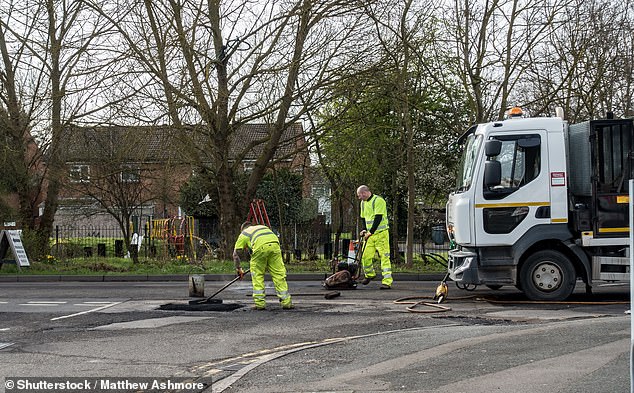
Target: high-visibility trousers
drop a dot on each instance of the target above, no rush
(378, 242)
(269, 257)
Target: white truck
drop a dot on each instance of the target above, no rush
(540, 204)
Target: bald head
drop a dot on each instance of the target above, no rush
(363, 192)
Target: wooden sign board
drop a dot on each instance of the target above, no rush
(10, 239)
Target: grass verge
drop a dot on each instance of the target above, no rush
(124, 266)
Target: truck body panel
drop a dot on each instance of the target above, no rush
(540, 203)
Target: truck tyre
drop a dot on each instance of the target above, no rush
(548, 275)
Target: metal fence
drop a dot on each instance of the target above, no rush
(303, 242)
(87, 241)
(108, 241)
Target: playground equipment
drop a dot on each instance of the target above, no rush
(178, 239)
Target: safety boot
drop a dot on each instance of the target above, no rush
(367, 280)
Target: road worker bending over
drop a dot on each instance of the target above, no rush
(266, 254)
(374, 219)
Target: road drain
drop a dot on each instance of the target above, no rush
(200, 307)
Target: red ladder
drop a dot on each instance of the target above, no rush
(257, 213)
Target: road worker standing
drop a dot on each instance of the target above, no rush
(375, 232)
(266, 254)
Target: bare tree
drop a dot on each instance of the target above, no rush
(19, 105)
(224, 65)
(56, 64)
(492, 44)
(580, 69)
(125, 172)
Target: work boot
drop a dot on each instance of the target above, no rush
(259, 308)
(288, 307)
(367, 280)
(385, 286)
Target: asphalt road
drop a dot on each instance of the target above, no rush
(361, 341)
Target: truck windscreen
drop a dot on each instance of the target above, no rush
(468, 161)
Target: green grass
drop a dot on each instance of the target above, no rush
(124, 266)
(117, 266)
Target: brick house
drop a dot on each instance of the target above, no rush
(147, 165)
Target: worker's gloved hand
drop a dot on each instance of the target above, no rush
(366, 235)
(240, 273)
(362, 234)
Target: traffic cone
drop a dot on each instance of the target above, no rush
(352, 254)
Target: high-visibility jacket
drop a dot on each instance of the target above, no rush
(255, 237)
(373, 206)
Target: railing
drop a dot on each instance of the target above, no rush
(314, 242)
(73, 242)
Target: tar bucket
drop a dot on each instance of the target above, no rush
(196, 285)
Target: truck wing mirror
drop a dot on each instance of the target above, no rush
(492, 147)
(492, 173)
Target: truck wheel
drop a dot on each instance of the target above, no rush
(548, 275)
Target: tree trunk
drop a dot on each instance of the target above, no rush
(55, 166)
(396, 258)
(228, 209)
(229, 220)
(411, 196)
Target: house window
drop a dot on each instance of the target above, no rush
(248, 165)
(130, 174)
(79, 173)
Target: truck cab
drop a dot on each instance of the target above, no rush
(516, 219)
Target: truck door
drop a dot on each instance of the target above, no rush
(521, 199)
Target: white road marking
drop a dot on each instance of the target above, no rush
(150, 323)
(274, 353)
(4, 345)
(86, 312)
(4, 329)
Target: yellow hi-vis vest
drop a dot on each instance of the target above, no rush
(255, 237)
(373, 206)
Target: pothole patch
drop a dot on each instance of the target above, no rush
(200, 307)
